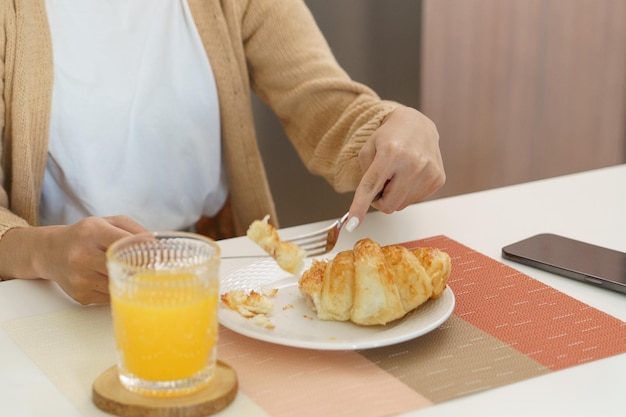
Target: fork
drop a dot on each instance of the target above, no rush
(321, 241)
(315, 243)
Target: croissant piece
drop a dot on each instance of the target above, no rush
(287, 255)
(371, 285)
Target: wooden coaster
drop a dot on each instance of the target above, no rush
(109, 395)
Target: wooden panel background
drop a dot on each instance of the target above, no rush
(524, 89)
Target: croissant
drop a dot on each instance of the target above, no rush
(372, 285)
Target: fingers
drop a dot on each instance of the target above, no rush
(126, 223)
(81, 270)
(97, 295)
(402, 156)
(371, 188)
(85, 286)
(107, 230)
(387, 178)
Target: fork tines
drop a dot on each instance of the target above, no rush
(321, 241)
(316, 243)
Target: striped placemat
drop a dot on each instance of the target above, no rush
(506, 327)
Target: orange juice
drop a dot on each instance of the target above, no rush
(165, 329)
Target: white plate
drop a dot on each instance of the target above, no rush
(296, 323)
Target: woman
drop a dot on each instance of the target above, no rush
(124, 116)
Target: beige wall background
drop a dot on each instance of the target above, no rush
(519, 89)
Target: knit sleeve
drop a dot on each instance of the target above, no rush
(326, 115)
(4, 199)
(8, 220)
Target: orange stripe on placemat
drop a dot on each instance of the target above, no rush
(314, 383)
(535, 319)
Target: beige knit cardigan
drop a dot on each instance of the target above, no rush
(272, 47)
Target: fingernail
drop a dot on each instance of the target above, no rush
(352, 224)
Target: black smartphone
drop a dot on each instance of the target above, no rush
(571, 258)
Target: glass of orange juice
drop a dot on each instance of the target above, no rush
(164, 294)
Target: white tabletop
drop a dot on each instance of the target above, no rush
(588, 206)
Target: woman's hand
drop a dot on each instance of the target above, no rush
(402, 157)
(73, 256)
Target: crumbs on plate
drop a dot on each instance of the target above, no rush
(252, 305)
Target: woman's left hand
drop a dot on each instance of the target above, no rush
(402, 157)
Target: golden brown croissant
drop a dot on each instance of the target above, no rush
(374, 285)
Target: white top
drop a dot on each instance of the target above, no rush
(135, 118)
